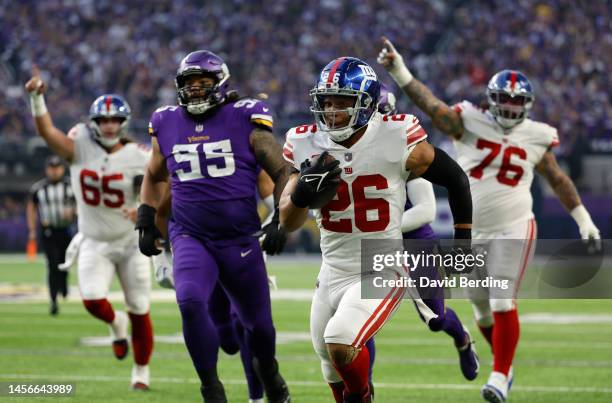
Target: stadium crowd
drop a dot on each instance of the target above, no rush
(86, 47)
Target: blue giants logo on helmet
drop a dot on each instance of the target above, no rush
(345, 77)
(510, 96)
(109, 106)
(196, 99)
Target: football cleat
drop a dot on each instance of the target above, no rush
(274, 385)
(468, 359)
(118, 329)
(213, 393)
(140, 377)
(496, 388)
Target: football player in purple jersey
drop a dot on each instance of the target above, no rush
(210, 149)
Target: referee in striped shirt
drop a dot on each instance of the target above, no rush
(50, 213)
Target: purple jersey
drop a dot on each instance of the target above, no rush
(423, 232)
(212, 167)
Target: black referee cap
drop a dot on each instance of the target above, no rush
(53, 161)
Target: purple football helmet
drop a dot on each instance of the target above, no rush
(196, 99)
(510, 96)
(387, 102)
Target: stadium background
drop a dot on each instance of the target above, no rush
(85, 47)
(88, 47)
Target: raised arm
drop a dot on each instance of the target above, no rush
(567, 194)
(443, 116)
(54, 137)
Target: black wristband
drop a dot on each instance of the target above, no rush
(146, 216)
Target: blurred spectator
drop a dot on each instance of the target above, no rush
(87, 47)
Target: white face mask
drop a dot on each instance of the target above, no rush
(109, 142)
(199, 108)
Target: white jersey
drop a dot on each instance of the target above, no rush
(103, 185)
(370, 199)
(500, 166)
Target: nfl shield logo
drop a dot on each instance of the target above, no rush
(199, 128)
(348, 157)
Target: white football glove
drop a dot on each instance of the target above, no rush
(163, 269)
(390, 58)
(72, 252)
(588, 231)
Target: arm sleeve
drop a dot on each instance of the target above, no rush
(423, 210)
(445, 171)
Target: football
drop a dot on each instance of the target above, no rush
(327, 194)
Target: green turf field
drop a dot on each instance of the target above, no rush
(562, 362)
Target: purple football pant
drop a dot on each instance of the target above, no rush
(232, 337)
(241, 271)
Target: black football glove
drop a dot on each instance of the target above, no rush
(274, 236)
(315, 179)
(461, 245)
(148, 234)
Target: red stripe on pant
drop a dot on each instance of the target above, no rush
(531, 235)
(395, 300)
(371, 318)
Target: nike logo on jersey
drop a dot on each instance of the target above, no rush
(244, 254)
(265, 109)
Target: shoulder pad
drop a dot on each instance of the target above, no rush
(256, 110)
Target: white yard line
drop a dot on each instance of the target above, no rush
(384, 385)
(26, 293)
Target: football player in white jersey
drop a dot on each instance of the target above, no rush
(374, 156)
(499, 149)
(106, 170)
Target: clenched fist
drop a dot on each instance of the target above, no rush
(35, 83)
(393, 62)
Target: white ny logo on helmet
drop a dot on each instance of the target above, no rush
(368, 72)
